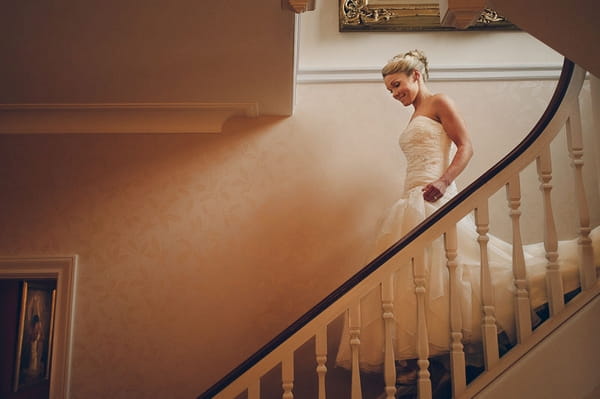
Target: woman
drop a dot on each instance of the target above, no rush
(404, 76)
(437, 148)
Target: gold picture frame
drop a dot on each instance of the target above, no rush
(35, 336)
(411, 15)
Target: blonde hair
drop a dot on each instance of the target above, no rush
(407, 63)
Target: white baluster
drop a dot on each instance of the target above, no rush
(553, 278)
(587, 272)
(321, 355)
(254, 390)
(354, 327)
(387, 300)
(457, 354)
(488, 324)
(424, 381)
(522, 302)
(287, 376)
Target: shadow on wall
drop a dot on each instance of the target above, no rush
(248, 225)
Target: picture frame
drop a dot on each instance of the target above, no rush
(406, 15)
(35, 334)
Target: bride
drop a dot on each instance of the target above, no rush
(437, 148)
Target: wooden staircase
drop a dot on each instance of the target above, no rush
(313, 330)
(278, 369)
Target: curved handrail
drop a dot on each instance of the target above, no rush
(545, 119)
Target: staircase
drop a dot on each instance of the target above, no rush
(300, 362)
(285, 357)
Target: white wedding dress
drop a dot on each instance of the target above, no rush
(428, 152)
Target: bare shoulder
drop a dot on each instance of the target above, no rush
(444, 108)
(442, 104)
(448, 114)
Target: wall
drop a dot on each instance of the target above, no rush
(117, 52)
(176, 235)
(194, 250)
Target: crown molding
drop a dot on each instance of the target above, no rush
(440, 74)
(126, 118)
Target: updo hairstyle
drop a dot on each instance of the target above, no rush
(407, 63)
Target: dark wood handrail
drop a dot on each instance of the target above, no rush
(556, 100)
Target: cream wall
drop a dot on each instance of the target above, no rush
(498, 114)
(194, 250)
(117, 52)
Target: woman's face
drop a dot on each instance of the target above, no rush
(403, 87)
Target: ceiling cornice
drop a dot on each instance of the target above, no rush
(125, 118)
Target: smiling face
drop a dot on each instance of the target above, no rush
(403, 87)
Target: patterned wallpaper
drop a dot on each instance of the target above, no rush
(196, 249)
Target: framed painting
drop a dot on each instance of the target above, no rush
(406, 15)
(36, 329)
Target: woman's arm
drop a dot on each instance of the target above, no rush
(455, 128)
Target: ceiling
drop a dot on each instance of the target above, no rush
(234, 56)
(571, 28)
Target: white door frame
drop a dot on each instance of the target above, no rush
(63, 269)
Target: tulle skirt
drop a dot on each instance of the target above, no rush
(401, 218)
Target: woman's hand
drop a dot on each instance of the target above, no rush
(434, 191)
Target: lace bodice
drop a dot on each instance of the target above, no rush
(427, 149)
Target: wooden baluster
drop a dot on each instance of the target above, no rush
(553, 278)
(321, 355)
(587, 272)
(457, 354)
(354, 326)
(423, 381)
(254, 390)
(522, 302)
(387, 304)
(488, 323)
(287, 376)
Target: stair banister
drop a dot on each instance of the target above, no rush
(554, 117)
